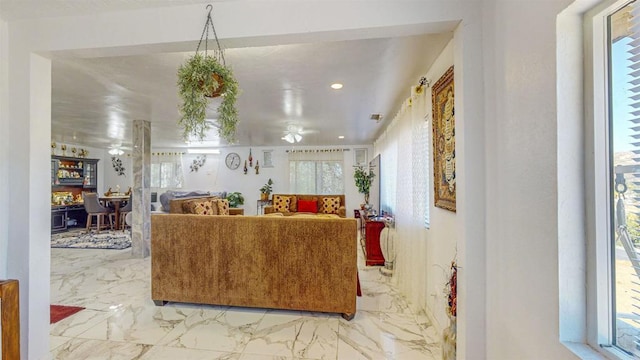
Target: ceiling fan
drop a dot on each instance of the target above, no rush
(293, 134)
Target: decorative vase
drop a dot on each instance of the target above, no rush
(264, 196)
(388, 247)
(449, 335)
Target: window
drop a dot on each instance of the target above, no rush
(623, 50)
(316, 172)
(166, 171)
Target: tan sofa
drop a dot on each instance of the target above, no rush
(296, 263)
(295, 200)
(176, 206)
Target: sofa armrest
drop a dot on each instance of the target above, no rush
(342, 212)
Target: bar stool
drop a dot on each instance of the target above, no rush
(93, 208)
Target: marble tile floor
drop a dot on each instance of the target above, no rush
(121, 322)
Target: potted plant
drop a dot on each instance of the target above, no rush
(200, 77)
(235, 199)
(363, 180)
(266, 190)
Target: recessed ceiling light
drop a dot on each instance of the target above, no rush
(341, 137)
(336, 86)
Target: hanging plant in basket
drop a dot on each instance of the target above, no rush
(201, 77)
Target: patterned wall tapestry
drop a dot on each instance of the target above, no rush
(444, 142)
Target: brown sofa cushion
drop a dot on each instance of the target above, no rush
(223, 206)
(300, 197)
(200, 207)
(176, 205)
(330, 205)
(281, 203)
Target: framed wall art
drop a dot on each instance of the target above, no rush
(444, 142)
(267, 158)
(360, 157)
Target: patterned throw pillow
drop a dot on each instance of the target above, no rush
(293, 205)
(281, 203)
(330, 205)
(223, 207)
(203, 207)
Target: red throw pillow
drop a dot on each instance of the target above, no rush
(307, 206)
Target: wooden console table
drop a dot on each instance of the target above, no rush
(370, 239)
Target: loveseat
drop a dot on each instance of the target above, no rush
(189, 205)
(292, 204)
(296, 263)
(166, 197)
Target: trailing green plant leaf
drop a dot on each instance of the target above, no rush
(195, 81)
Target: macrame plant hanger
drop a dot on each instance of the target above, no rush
(219, 53)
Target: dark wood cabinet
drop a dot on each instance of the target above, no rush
(70, 177)
(58, 219)
(370, 229)
(80, 173)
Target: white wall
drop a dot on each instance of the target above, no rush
(215, 176)
(4, 146)
(521, 154)
(110, 178)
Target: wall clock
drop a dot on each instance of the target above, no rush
(232, 161)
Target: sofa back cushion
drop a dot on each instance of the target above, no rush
(330, 205)
(223, 206)
(308, 206)
(281, 203)
(296, 198)
(293, 206)
(177, 206)
(200, 207)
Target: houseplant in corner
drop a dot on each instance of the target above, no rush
(363, 179)
(202, 76)
(266, 190)
(235, 199)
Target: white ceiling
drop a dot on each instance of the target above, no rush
(94, 100)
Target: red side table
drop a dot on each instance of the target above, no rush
(373, 253)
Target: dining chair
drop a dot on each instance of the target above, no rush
(124, 211)
(93, 208)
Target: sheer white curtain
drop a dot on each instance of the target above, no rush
(319, 171)
(166, 170)
(405, 149)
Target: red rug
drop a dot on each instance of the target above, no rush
(59, 312)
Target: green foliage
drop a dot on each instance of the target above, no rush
(235, 199)
(266, 188)
(195, 81)
(363, 179)
(633, 223)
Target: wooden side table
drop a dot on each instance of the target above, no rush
(260, 206)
